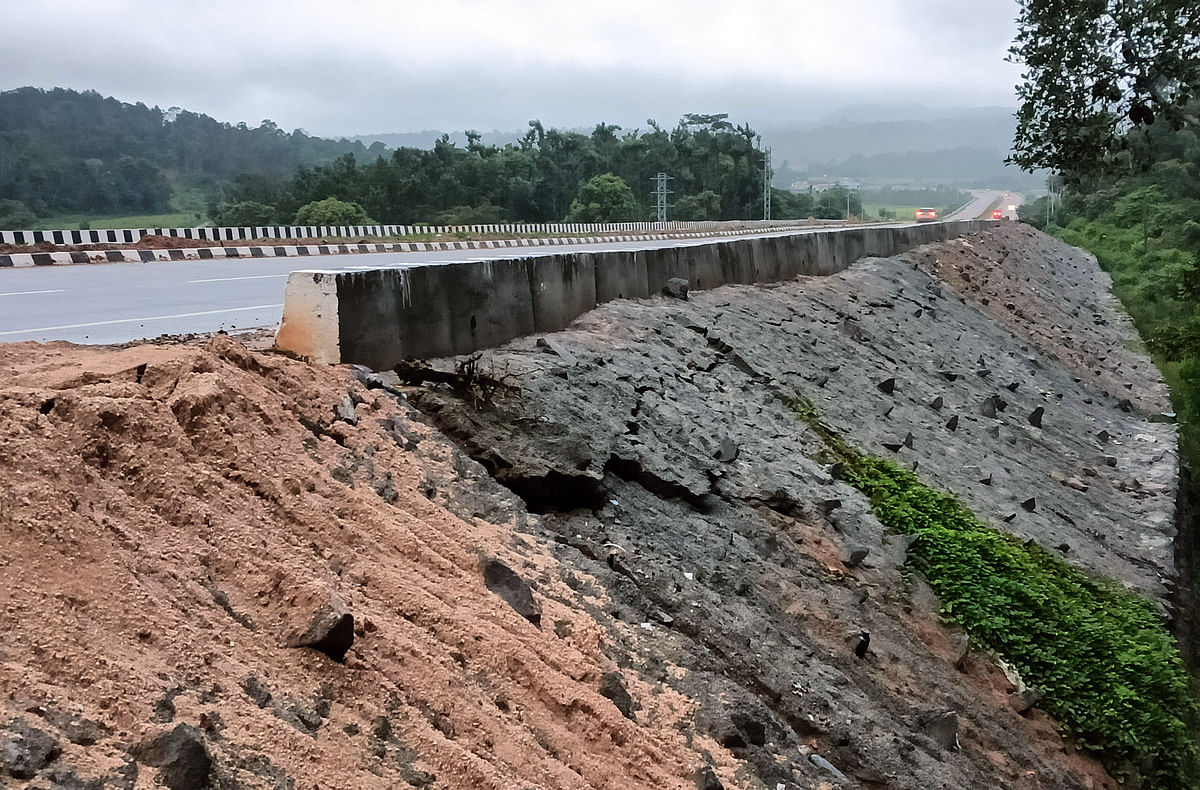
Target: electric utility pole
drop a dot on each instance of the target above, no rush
(660, 195)
(767, 184)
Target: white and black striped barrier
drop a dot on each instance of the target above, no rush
(68, 257)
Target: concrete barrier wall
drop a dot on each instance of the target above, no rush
(381, 316)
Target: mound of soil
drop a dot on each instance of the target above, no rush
(175, 517)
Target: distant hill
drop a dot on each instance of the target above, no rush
(964, 146)
(68, 151)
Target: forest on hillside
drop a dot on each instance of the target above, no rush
(66, 151)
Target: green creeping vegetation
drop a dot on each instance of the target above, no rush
(1101, 657)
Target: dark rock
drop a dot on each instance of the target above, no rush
(1103, 436)
(994, 431)
(345, 411)
(937, 403)
(1008, 519)
(908, 440)
(751, 727)
(728, 451)
(1125, 405)
(1035, 417)
(1012, 386)
(862, 644)
(256, 691)
(504, 581)
(988, 408)
(676, 287)
(181, 756)
(707, 780)
(856, 554)
(76, 729)
(66, 779)
(948, 375)
(893, 446)
(887, 386)
(329, 626)
(26, 750)
(952, 423)
(942, 728)
(1030, 504)
(612, 687)
(987, 481)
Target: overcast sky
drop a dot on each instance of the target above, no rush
(369, 66)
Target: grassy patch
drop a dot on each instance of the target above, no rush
(1102, 658)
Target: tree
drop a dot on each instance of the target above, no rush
(244, 214)
(604, 198)
(705, 205)
(1095, 70)
(330, 212)
(15, 215)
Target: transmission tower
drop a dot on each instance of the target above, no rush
(660, 196)
(767, 185)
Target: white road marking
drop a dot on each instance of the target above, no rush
(138, 320)
(229, 279)
(27, 293)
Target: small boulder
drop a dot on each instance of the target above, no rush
(887, 386)
(707, 780)
(612, 687)
(856, 554)
(1035, 417)
(322, 622)
(181, 756)
(346, 410)
(728, 450)
(504, 581)
(677, 288)
(25, 750)
(942, 728)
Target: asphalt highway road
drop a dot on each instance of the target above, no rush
(119, 302)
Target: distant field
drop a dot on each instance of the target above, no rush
(73, 221)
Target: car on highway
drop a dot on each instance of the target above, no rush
(997, 214)
(925, 215)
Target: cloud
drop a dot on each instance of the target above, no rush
(378, 65)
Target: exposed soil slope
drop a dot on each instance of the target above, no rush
(700, 588)
(169, 516)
